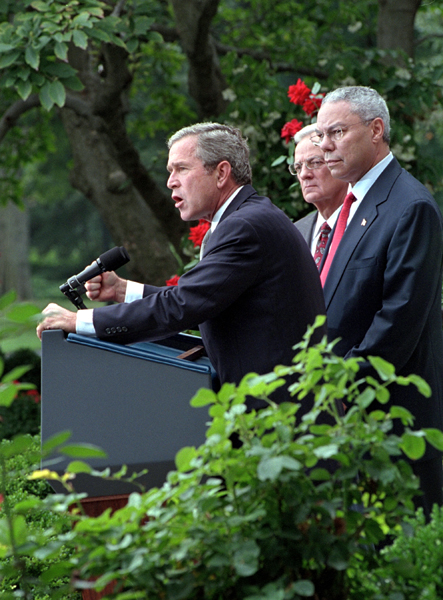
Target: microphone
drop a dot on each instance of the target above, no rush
(108, 261)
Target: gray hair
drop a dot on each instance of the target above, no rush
(364, 102)
(215, 143)
(305, 132)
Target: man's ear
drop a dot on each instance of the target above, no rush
(378, 129)
(224, 170)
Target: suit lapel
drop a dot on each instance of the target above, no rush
(361, 223)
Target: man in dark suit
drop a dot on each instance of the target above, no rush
(318, 188)
(383, 285)
(254, 292)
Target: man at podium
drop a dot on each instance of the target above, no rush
(253, 293)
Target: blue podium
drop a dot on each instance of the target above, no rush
(132, 401)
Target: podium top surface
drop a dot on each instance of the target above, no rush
(152, 351)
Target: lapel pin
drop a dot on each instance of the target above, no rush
(364, 222)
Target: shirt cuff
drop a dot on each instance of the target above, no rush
(84, 323)
(134, 291)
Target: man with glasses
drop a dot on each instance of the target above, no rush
(318, 188)
(382, 272)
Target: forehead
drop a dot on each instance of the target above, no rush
(334, 114)
(305, 149)
(183, 150)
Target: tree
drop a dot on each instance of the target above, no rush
(116, 73)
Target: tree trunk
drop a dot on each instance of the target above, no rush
(98, 174)
(206, 82)
(395, 25)
(15, 273)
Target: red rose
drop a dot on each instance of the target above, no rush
(311, 105)
(290, 129)
(197, 233)
(173, 280)
(1, 500)
(299, 92)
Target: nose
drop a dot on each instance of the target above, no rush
(172, 181)
(305, 172)
(326, 143)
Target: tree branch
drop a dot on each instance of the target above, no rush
(20, 107)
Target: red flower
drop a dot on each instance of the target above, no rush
(290, 129)
(1, 500)
(299, 92)
(173, 280)
(197, 233)
(312, 104)
(34, 394)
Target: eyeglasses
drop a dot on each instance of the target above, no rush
(311, 164)
(335, 135)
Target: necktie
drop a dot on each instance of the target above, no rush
(338, 234)
(325, 230)
(204, 242)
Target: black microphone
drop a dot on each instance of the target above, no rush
(108, 261)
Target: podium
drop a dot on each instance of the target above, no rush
(132, 401)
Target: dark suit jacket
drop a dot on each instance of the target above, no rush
(253, 294)
(383, 290)
(306, 226)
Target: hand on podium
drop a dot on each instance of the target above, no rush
(57, 317)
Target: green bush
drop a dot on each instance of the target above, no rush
(266, 520)
(23, 415)
(21, 575)
(411, 568)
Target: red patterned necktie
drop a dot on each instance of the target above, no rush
(338, 234)
(325, 230)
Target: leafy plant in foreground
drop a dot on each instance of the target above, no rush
(267, 520)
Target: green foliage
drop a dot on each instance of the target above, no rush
(23, 415)
(19, 495)
(410, 568)
(294, 511)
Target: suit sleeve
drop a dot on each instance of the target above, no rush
(230, 266)
(411, 286)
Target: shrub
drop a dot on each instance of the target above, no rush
(19, 574)
(411, 568)
(23, 415)
(266, 520)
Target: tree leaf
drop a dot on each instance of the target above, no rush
(246, 558)
(304, 587)
(8, 59)
(61, 50)
(24, 89)
(57, 93)
(32, 57)
(80, 39)
(45, 98)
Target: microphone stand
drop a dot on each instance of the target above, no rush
(74, 294)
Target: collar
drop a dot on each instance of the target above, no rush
(361, 188)
(221, 210)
